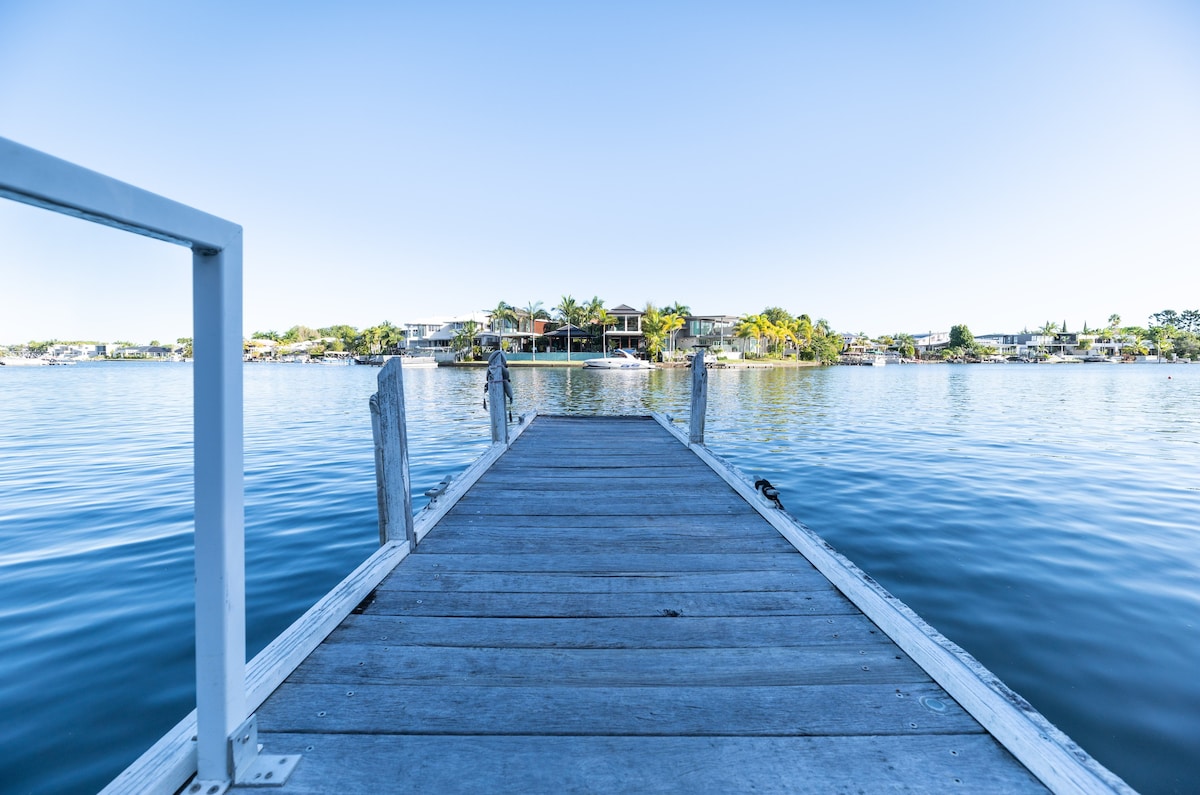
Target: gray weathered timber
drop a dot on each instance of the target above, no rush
(601, 605)
(392, 478)
(699, 399)
(632, 632)
(923, 763)
(602, 612)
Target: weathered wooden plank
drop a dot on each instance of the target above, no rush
(601, 480)
(610, 633)
(534, 505)
(764, 666)
(596, 526)
(436, 582)
(362, 765)
(665, 543)
(604, 562)
(573, 460)
(598, 605)
(681, 710)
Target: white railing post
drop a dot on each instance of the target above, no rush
(226, 738)
(393, 481)
(699, 398)
(220, 529)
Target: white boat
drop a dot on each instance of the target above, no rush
(874, 360)
(621, 360)
(23, 361)
(408, 362)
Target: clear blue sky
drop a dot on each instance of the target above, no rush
(889, 166)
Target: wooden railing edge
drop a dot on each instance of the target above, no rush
(168, 765)
(170, 762)
(1053, 757)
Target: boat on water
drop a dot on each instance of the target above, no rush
(873, 360)
(408, 362)
(22, 361)
(378, 360)
(620, 360)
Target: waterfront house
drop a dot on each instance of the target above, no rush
(436, 334)
(258, 349)
(568, 337)
(420, 330)
(77, 351)
(627, 331)
(143, 352)
(710, 331)
(933, 341)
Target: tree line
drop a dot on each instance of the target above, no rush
(776, 332)
(1167, 333)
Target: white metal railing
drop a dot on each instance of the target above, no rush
(32, 177)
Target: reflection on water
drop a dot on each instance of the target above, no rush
(1042, 517)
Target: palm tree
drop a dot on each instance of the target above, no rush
(569, 311)
(1158, 335)
(602, 320)
(1048, 329)
(752, 327)
(804, 333)
(672, 322)
(534, 312)
(464, 338)
(597, 317)
(502, 314)
(393, 337)
(1112, 332)
(1134, 341)
(654, 330)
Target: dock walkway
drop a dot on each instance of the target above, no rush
(602, 612)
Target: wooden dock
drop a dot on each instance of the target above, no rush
(605, 611)
(600, 606)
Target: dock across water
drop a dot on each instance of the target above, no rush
(600, 606)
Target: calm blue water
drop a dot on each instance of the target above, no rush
(1044, 518)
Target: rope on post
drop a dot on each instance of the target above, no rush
(497, 389)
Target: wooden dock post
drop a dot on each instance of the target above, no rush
(699, 398)
(393, 484)
(498, 388)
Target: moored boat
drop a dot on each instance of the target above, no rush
(621, 360)
(22, 361)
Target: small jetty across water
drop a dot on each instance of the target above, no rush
(601, 604)
(595, 605)
(602, 612)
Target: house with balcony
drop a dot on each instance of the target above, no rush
(931, 342)
(715, 332)
(627, 332)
